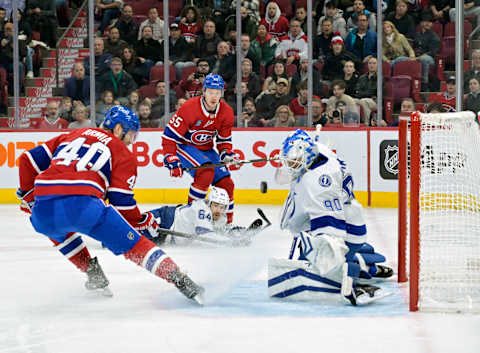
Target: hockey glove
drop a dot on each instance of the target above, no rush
(173, 164)
(148, 226)
(27, 200)
(230, 159)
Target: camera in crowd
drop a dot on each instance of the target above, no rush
(337, 114)
(198, 75)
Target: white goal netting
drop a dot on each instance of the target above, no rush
(449, 213)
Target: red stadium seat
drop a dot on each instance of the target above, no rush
(450, 29)
(318, 66)
(142, 7)
(448, 50)
(147, 91)
(186, 71)
(413, 69)
(386, 69)
(4, 88)
(157, 73)
(285, 7)
(401, 88)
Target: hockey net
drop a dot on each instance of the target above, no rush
(439, 211)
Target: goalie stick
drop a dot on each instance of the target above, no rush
(221, 164)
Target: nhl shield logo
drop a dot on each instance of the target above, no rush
(391, 159)
(388, 161)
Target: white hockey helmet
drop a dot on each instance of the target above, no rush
(218, 195)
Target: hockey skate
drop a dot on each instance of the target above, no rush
(185, 285)
(383, 272)
(360, 294)
(97, 281)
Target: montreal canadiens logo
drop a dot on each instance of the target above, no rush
(202, 137)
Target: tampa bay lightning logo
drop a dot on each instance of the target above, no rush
(325, 180)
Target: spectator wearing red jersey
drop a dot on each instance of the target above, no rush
(51, 120)
(276, 23)
(293, 46)
(299, 104)
(191, 23)
(447, 98)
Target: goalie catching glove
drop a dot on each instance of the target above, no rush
(148, 226)
(230, 159)
(27, 200)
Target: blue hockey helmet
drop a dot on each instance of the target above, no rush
(213, 81)
(123, 116)
(298, 152)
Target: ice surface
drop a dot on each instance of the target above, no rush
(44, 307)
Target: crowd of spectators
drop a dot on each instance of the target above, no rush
(274, 57)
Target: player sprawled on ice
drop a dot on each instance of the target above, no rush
(329, 253)
(203, 221)
(189, 140)
(63, 184)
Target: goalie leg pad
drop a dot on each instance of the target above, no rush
(299, 280)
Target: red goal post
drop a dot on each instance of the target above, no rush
(439, 211)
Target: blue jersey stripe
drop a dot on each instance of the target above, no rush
(71, 246)
(41, 157)
(153, 258)
(120, 199)
(223, 140)
(327, 221)
(356, 230)
(169, 133)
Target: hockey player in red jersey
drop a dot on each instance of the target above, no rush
(64, 182)
(188, 141)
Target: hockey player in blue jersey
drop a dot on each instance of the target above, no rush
(329, 253)
(205, 221)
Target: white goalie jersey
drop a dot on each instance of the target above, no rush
(196, 218)
(321, 201)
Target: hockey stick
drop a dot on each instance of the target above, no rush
(221, 164)
(260, 212)
(190, 236)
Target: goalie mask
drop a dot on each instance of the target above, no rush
(297, 154)
(218, 202)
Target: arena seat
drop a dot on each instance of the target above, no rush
(157, 73)
(412, 69)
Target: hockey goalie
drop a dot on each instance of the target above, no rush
(329, 255)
